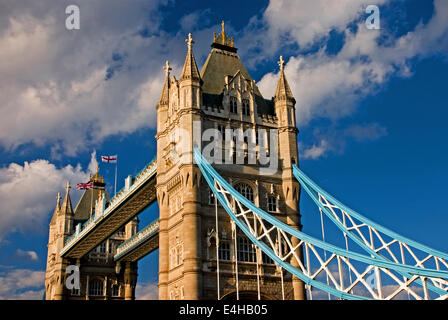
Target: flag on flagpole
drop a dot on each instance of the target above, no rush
(84, 186)
(109, 159)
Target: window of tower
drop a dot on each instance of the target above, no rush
(246, 107)
(265, 258)
(102, 248)
(272, 203)
(246, 191)
(111, 246)
(115, 290)
(96, 288)
(246, 251)
(75, 292)
(224, 251)
(233, 105)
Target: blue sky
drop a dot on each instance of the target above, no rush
(371, 106)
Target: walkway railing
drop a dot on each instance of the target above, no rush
(140, 237)
(148, 172)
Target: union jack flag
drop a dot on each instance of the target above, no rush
(84, 186)
(109, 159)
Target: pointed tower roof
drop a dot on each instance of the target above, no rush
(164, 97)
(66, 207)
(190, 70)
(223, 61)
(283, 92)
(86, 203)
(57, 209)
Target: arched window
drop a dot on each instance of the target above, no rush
(246, 251)
(246, 108)
(224, 250)
(102, 248)
(233, 105)
(115, 290)
(96, 287)
(272, 203)
(246, 191)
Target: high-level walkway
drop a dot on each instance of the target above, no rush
(142, 243)
(139, 192)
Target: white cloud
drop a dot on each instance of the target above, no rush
(317, 150)
(305, 22)
(28, 193)
(21, 284)
(72, 89)
(329, 86)
(334, 140)
(26, 255)
(93, 165)
(147, 291)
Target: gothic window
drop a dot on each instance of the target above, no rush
(272, 203)
(176, 255)
(224, 250)
(246, 108)
(115, 290)
(74, 292)
(265, 258)
(111, 247)
(193, 97)
(96, 288)
(246, 191)
(246, 252)
(102, 248)
(233, 105)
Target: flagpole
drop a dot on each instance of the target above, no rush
(116, 166)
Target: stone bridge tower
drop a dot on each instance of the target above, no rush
(221, 96)
(100, 277)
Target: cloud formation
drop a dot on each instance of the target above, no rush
(28, 191)
(21, 284)
(328, 85)
(147, 291)
(335, 140)
(25, 255)
(71, 89)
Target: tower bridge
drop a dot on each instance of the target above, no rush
(229, 231)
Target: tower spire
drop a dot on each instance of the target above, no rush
(66, 207)
(164, 96)
(58, 201)
(190, 70)
(283, 91)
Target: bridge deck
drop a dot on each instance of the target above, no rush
(142, 243)
(127, 204)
